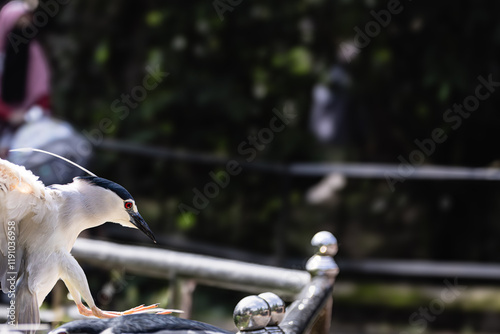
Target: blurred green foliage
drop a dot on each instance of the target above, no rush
(225, 77)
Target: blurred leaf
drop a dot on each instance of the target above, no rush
(186, 221)
(444, 92)
(101, 54)
(154, 18)
(297, 60)
(300, 61)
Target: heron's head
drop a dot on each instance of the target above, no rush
(121, 204)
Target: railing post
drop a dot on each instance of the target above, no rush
(183, 289)
(322, 263)
(311, 311)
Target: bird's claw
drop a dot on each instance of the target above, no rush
(140, 308)
(96, 312)
(169, 311)
(135, 310)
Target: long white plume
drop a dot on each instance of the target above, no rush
(30, 149)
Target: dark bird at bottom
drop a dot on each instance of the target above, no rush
(139, 323)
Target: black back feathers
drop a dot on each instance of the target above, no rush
(107, 184)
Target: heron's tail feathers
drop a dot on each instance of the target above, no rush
(26, 305)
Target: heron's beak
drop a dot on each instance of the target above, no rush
(140, 223)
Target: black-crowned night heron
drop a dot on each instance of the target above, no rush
(39, 226)
(139, 323)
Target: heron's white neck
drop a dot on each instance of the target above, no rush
(83, 206)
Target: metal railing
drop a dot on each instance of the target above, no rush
(312, 298)
(354, 170)
(163, 263)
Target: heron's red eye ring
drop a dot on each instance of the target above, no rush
(128, 205)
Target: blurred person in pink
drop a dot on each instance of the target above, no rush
(24, 71)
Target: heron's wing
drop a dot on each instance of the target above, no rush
(18, 188)
(20, 197)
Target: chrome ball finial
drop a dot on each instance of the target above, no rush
(277, 307)
(252, 313)
(325, 243)
(323, 263)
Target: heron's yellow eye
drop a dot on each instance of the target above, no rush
(128, 205)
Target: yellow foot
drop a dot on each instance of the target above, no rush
(96, 312)
(112, 314)
(140, 308)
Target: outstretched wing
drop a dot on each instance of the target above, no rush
(21, 194)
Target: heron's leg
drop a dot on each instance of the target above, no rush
(74, 278)
(76, 282)
(82, 309)
(95, 311)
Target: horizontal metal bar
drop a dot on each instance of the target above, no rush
(201, 158)
(354, 170)
(159, 152)
(383, 171)
(432, 269)
(255, 278)
(161, 263)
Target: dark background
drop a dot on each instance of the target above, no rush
(227, 73)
